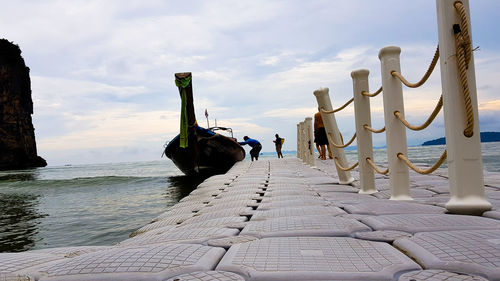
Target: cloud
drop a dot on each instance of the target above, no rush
(289, 112)
(493, 105)
(114, 128)
(61, 88)
(102, 72)
(271, 60)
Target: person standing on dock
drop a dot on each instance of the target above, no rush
(256, 147)
(320, 137)
(278, 142)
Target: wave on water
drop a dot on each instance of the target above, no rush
(85, 205)
(14, 184)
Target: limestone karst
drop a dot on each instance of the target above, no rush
(17, 135)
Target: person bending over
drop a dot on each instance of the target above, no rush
(256, 147)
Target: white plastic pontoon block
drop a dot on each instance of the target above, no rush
(315, 258)
(157, 262)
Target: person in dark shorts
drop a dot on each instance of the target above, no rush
(256, 147)
(320, 137)
(278, 142)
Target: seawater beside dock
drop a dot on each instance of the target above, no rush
(278, 219)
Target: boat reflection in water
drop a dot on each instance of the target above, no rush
(19, 221)
(181, 186)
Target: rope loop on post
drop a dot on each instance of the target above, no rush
(463, 46)
(374, 130)
(365, 93)
(384, 172)
(464, 26)
(344, 168)
(427, 122)
(338, 109)
(343, 145)
(426, 75)
(420, 171)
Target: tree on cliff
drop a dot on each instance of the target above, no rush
(17, 135)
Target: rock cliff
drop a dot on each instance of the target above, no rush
(17, 135)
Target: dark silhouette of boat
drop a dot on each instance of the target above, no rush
(197, 150)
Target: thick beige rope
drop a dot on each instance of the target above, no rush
(427, 122)
(365, 93)
(420, 171)
(343, 168)
(426, 75)
(373, 130)
(385, 172)
(341, 146)
(464, 54)
(338, 109)
(464, 25)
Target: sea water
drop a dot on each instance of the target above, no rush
(429, 155)
(102, 204)
(85, 204)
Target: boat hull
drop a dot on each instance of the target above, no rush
(212, 154)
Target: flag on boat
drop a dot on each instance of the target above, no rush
(206, 113)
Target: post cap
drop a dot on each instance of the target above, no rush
(389, 51)
(359, 73)
(321, 91)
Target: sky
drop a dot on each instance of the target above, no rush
(102, 72)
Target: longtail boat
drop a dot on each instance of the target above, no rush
(196, 150)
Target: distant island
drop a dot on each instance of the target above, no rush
(485, 137)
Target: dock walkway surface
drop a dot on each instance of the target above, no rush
(278, 219)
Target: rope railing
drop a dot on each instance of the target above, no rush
(338, 109)
(464, 55)
(420, 171)
(458, 97)
(365, 93)
(374, 130)
(428, 73)
(344, 168)
(375, 168)
(341, 145)
(464, 24)
(431, 118)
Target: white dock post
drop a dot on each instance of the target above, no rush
(363, 136)
(303, 142)
(298, 142)
(299, 132)
(305, 149)
(310, 141)
(323, 99)
(395, 131)
(465, 165)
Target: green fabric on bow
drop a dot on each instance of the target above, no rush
(182, 84)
